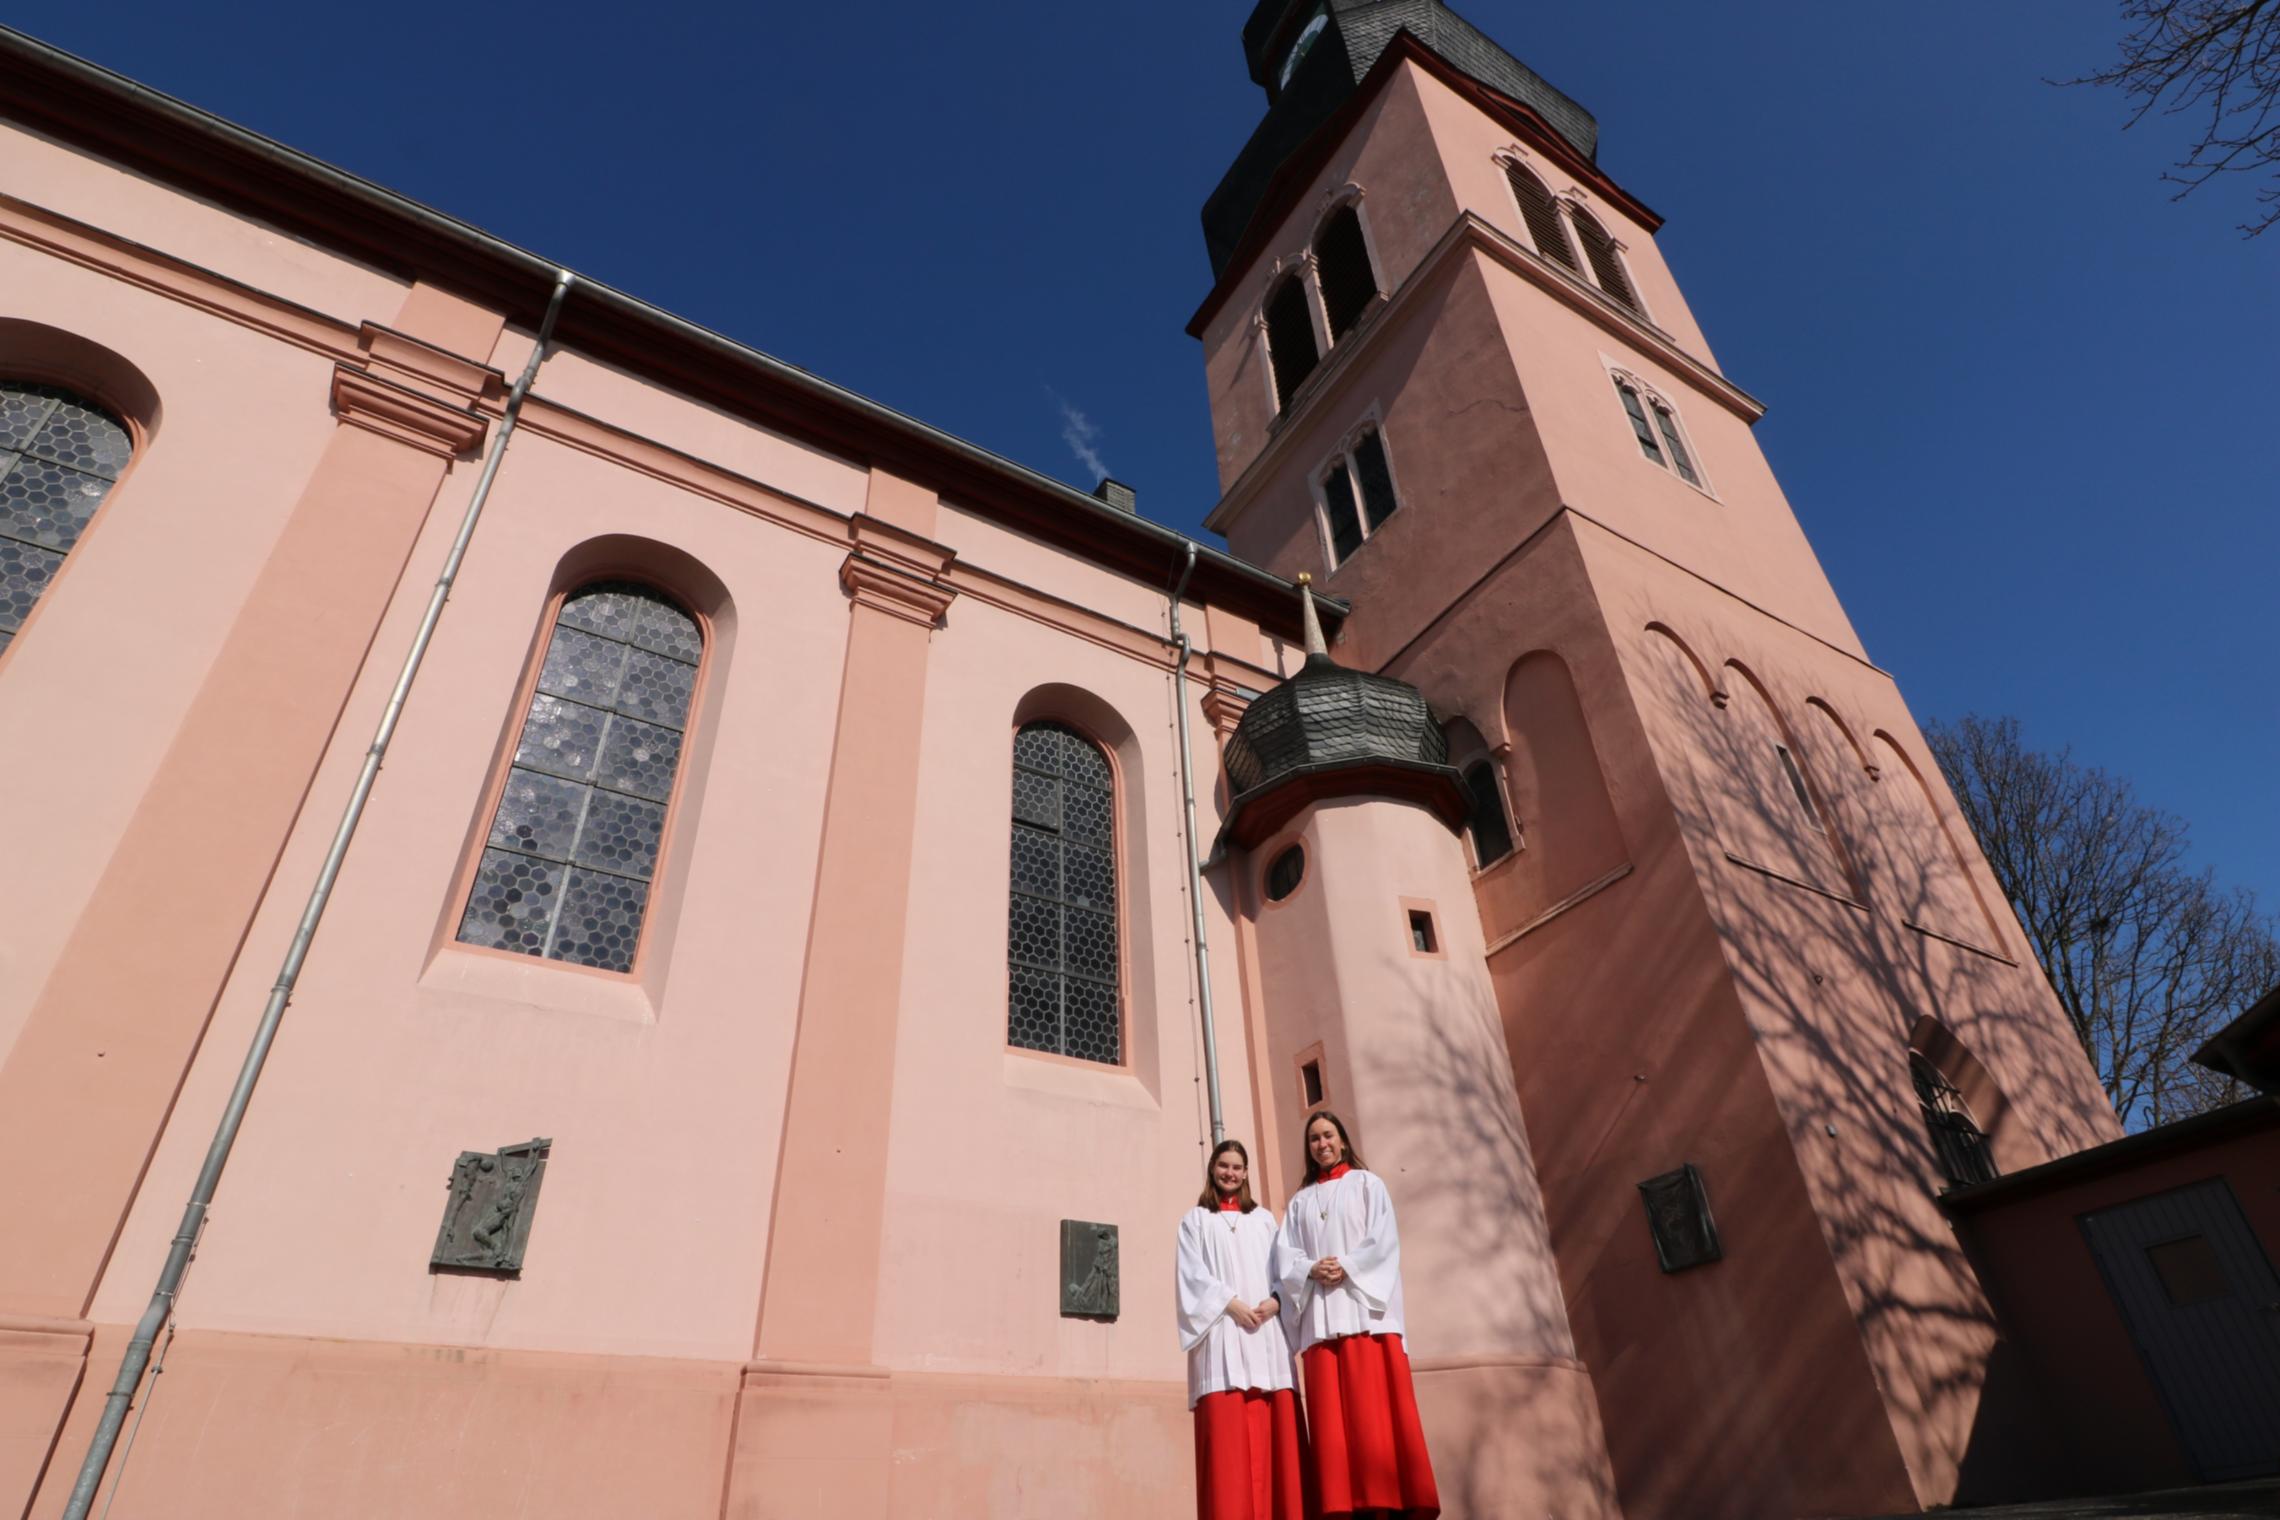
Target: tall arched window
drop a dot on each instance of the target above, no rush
(1290, 339)
(1541, 213)
(1606, 263)
(574, 841)
(59, 456)
(1062, 974)
(1342, 263)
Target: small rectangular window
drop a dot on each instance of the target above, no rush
(1796, 777)
(2189, 1270)
(1491, 832)
(1345, 521)
(1310, 1081)
(1421, 937)
(1376, 480)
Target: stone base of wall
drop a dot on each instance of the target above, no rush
(254, 1427)
(1515, 1438)
(250, 1427)
(40, 1366)
(863, 1444)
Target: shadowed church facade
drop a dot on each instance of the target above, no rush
(785, 842)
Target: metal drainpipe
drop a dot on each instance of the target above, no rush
(233, 1115)
(1195, 865)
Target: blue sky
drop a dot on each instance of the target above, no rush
(2027, 408)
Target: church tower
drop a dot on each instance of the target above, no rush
(1759, 997)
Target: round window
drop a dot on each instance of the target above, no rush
(1284, 874)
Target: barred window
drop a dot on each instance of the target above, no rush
(59, 457)
(1957, 1141)
(1062, 982)
(574, 843)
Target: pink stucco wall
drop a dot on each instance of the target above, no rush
(313, 1313)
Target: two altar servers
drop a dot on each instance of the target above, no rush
(1338, 1260)
(1248, 1463)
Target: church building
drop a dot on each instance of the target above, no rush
(827, 886)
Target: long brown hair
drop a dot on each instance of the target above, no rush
(1352, 1157)
(1210, 1198)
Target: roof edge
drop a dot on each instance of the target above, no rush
(49, 90)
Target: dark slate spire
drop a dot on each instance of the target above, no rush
(1332, 732)
(1309, 55)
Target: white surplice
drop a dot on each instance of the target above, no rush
(1351, 1218)
(1226, 1255)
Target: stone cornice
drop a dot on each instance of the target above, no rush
(1468, 233)
(393, 410)
(408, 361)
(1225, 707)
(895, 571)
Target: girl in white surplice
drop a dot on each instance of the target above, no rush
(1248, 1462)
(1339, 1265)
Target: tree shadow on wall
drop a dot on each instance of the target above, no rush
(1836, 976)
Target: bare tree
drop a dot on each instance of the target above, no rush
(2148, 957)
(2217, 61)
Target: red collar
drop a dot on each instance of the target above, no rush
(1231, 1205)
(1332, 1175)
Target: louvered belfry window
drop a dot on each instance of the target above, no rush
(1606, 263)
(59, 456)
(1290, 339)
(1061, 937)
(1342, 261)
(573, 849)
(1541, 213)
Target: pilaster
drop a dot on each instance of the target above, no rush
(89, 1084)
(823, 1250)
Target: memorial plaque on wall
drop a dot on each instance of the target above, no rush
(1088, 1270)
(1678, 1211)
(486, 1220)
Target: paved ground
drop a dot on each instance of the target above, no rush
(2258, 1500)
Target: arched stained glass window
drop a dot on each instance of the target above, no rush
(59, 456)
(1062, 974)
(574, 842)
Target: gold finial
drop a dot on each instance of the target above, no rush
(1311, 623)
